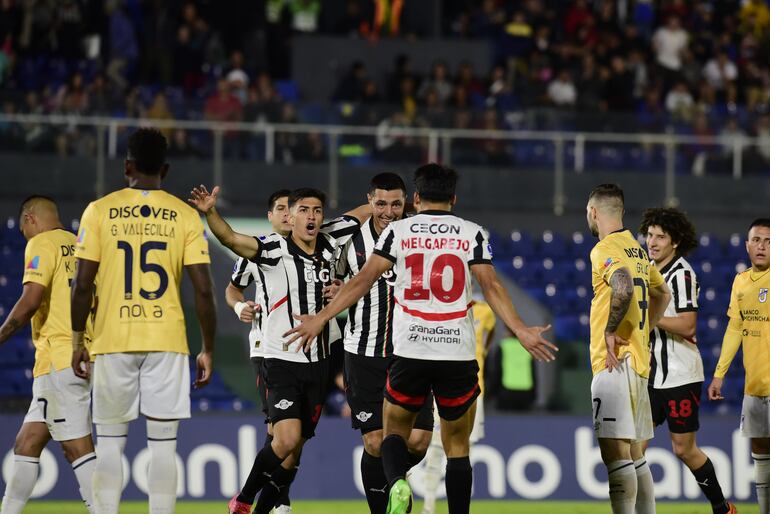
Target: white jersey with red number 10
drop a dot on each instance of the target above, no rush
(432, 253)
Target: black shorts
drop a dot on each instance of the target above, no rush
(365, 379)
(296, 390)
(455, 385)
(259, 374)
(678, 405)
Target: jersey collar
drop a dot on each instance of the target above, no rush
(670, 265)
(436, 212)
(756, 275)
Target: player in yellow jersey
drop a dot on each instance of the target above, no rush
(60, 401)
(484, 328)
(630, 296)
(749, 326)
(134, 244)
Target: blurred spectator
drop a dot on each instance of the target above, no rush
(439, 82)
(159, 111)
(100, 96)
(72, 98)
(124, 50)
(755, 18)
(732, 136)
(435, 113)
(651, 116)
(188, 61)
(403, 69)
(407, 98)
(562, 91)
(179, 145)
(493, 151)
(237, 78)
(304, 15)
(638, 69)
(669, 42)
(619, 87)
(467, 80)
(222, 105)
(393, 147)
(517, 37)
(10, 24)
(498, 91)
(590, 85)
(68, 29)
(679, 101)
(763, 139)
(486, 21)
(11, 134)
(702, 150)
(577, 17)
(719, 71)
(350, 87)
(511, 376)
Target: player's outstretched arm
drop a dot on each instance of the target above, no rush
(205, 309)
(622, 286)
(531, 338)
(26, 306)
(241, 244)
(361, 213)
(349, 293)
(81, 298)
(660, 297)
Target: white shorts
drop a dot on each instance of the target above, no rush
(157, 384)
(477, 434)
(755, 416)
(621, 404)
(63, 402)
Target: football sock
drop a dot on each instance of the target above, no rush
(284, 499)
(762, 478)
(264, 463)
(459, 480)
(162, 474)
(107, 481)
(375, 483)
(395, 458)
(415, 458)
(707, 481)
(20, 484)
(622, 477)
(84, 472)
(645, 491)
(279, 479)
(432, 472)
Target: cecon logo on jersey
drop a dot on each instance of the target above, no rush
(34, 263)
(284, 404)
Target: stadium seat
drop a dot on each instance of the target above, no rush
(552, 244)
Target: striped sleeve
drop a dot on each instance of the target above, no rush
(481, 249)
(269, 254)
(242, 276)
(385, 247)
(684, 290)
(342, 228)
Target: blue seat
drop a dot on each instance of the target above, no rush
(287, 90)
(580, 245)
(521, 243)
(552, 244)
(566, 327)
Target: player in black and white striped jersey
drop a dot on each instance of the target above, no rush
(246, 273)
(297, 270)
(369, 343)
(676, 375)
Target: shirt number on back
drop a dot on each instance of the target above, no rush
(643, 301)
(146, 267)
(415, 262)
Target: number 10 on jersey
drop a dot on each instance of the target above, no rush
(416, 264)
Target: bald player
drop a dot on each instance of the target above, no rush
(630, 296)
(60, 400)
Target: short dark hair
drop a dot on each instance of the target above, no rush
(387, 182)
(674, 223)
(306, 192)
(603, 191)
(435, 183)
(147, 149)
(31, 199)
(276, 196)
(760, 222)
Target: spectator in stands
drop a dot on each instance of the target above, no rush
(351, 85)
(701, 152)
(124, 50)
(619, 87)
(492, 151)
(719, 71)
(11, 134)
(223, 105)
(763, 139)
(651, 116)
(516, 40)
(403, 68)
(499, 89)
(434, 114)
(69, 29)
(237, 78)
(487, 20)
(72, 98)
(392, 147)
(679, 102)
(188, 61)
(439, 82)
(304, 15)
(577, 17)
(37, 136)
(407, 98)
(669, 42)
(159, 111)
(179, 145)
(755, 18)
(10, 24)
(466, 79)
(268, 96)
(638, 68)
(511, 375)
(100, 96)
(732, 136)
(562, 91)
(590, 85)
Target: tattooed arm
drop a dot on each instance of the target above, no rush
(622, 292)
(22, 312)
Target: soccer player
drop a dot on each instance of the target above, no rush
(297, 269)
(676, 375)
(434, 254)
(134, 244)
(484, 330)
(626, 287)
(749, 312)
(60, 401)
(246, 273)
(369, 343)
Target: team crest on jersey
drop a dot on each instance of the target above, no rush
(363, 417)
(283, 404)
(489, 249)
(34, 263)
(763, 295)
(608, 262)
(81, 236)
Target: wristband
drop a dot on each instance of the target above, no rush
(78, 341)
(238, 308)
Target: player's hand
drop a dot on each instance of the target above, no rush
(249, 311)
(306, 332)
(613, 341)
(204, 367)
(202, 200)
(715, 389)
(531, 338)
(81, 364)
(332, 289)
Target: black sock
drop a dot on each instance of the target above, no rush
(708, 483)
(284, 498)
(264, 463)
(459, 479)
(279, 479)
(415, 458)
(375, 483)
(395, 458)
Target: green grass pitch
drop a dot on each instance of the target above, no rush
(359, 507)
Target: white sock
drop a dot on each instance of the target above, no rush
(645, 490)
(432, 472)
(762, 478)
(20, 484)
(161, 477)
(107, 481)
(623, 486)
(84, 472)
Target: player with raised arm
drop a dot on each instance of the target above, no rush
(244, 274)
(134, 245)
(676, 375)
(626, 288)
(369, 343)
(749, 312)
(297, 270)
(60, 408)
(433, 255)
